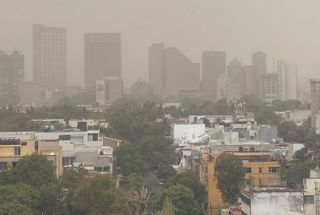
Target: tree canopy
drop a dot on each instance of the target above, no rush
(230, 176)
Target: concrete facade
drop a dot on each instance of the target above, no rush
(213, 65)
(50, 57)
(102, 57)
(315, 100)
(272, 201)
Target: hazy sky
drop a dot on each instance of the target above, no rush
(284, 29)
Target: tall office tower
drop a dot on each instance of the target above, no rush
(213, 65)
(315, 102)
(180, 73)
(171, 73)
(287, 81)
(156, 67)
(108, 90)
(11, 76)
(259, 63)
(282, 69)
(236, 74)
(269, 87)
(221, 87)
(252, 83)
(50, 57)
(102, 53)
(292, 83)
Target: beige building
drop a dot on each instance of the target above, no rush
(15, 145)
(50, 57)
(315, 100)
(269, 87)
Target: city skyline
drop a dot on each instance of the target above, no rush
(266, 29)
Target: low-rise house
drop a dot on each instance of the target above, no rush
(271, 200)
(311, 193)
(15, 145)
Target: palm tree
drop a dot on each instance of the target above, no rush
(139, 199)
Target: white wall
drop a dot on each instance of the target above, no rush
(282, 203)
(187, 131)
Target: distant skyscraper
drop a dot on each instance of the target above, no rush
(102, 57)
(11, 76)
(269, 87)
(213, 65)
(221, 87)
(49, 57)
(251, 83)
(292, 83)
(180, 73)
(315, 101)
(156, 67)
(282, 69)
(259, 63)
(236, 75)
(287, 81)
(172, 73)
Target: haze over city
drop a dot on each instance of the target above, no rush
(167, 107)
(286, 29)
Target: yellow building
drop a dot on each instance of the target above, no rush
(12, 149)
(207, 178)
(261, 171)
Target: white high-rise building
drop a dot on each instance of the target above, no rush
(287, 81)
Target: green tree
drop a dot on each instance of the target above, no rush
(182, 199)
(34, 170)
(140, 199)
(191, 180)
(99, 196)
(38, 172)
(22, 194)
(10, 208)
(165, 171)
(129, 159)
(71, 180)
(167, 209)
(230, 176)
(288, 130)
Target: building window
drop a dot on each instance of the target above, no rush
(248, 170)
(17, 151)
(274, 169)
(68, 161)
(260, 169)
(98, 169)
(14, 164)
(3, 166)
(92, 137)
(36, 146)
(64, 137)
(308, 199)
(24, 143)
